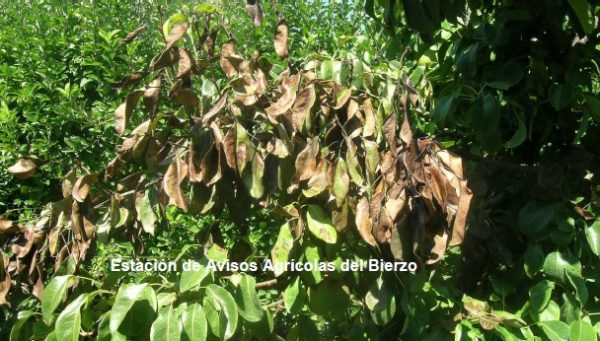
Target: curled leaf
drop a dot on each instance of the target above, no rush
(124, 111)
(82, 187)
(23, 168)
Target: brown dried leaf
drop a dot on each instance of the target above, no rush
(342, 95)
(164, 59)
(302, 106)
(439, 248)
(22, 248)
(255, 12)
(8, 226)
(306, 162)
(228, 50)
(5, 280)
(177, 32)
(363, 221)
(289, 86)
(460, 221)
(151, 96)
(24, 168)
(370, 121)
(186, 63)
(124, 111)
(209, 43)
(281, 37)
(183, 96)
(216, 109)
(131, 79)
(132, 35)
(389, 131)
(82, 187)
(172, 180)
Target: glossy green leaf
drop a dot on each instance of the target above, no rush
(248, 304)
(228, 314)
(582, 331)
(166, 326)
(519, 136)
(194, 323)
(53, 295)
(540, 294)
(505, 76)
(592, 234)
(68, 323)
(381, 302)
(443, 108)
(320, 225)
(294, 296)
(191, 279)
(555, 330)
(535, 216)
(135, 307)
(556, 264)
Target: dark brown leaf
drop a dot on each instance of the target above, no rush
(302, 106)
(131, 79)
(363, 221)
(255, 12)
(132, 35)
(82, 187)
(186, 63)
(172, 180)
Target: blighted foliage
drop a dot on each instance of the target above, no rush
(310, 148)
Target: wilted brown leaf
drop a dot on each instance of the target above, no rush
(255, 12)
(302, 106)
(306, 162)
(281, 37)
(24, 168)
(363, 221)
(227, 50)
(132, 35)
(186, 63)
(82, 187)
(177, 32)
(460, 221)
(172, 180)
(131, 79)
(24, 245)
(289, 86)
(124, 111)
(216, 109)
(151, 96)
(8, 226)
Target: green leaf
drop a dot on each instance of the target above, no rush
(176, 18)
(560, 95)
(320, 225)
(247, 300)
(228, 314)
(487, 113)
(381, 302)
(53, 295)
(555, 330)
(146, 215)
(135, 307)
(15, 332)
(282, 248)
(556, 264)
(328, 299)
(519, 136)
(443, 108)
(341, 182)
(582, 331)
(540, 294)
(505, 76)
(304, 330)
(166, 326)
(534, 259)
(580, 287)
(582, 10)
(535, 216)
(194, 323)
(294, 296)
(592, 234)
(192, 278)
(68, 323)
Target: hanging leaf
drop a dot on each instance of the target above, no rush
(194, 326)
(82, 187)
(320, 225)
(229, 319)
(294, 296)
(247, 300)
(302, 106)
(172, 180)
(68, 323)
(341, 182)
(166, 326)
(191, 279)
(255, 12)
(146, 213)
(124, 111)
(281, 249)
(281, 37)
(54, 294)
(363, 222)
(133, 310)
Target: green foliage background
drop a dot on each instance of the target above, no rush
(512, 87)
